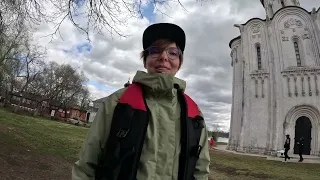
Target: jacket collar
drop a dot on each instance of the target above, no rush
(158, 83)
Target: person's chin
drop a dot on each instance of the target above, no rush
(162, 71)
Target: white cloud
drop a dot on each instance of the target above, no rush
(207, 70)
(96, 93)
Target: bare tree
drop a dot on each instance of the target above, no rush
(84, 98)
(85, 15)
(216, 127)
(60, 84)
(29, 65)
(13, 36)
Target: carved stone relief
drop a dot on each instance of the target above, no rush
(292, 22)
(259, 82)
(316, 83)
(309, 78)
(289, 91)
(231, 54)
(305, 36)
(302, 86)
(285, 38)
(234, 56)
(256, 82)
(309, 84)
(256, 31)
(295, 87)
(262, 88)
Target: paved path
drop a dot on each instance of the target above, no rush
(294, 157)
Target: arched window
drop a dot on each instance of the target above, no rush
(297, 51)
(258, 48)
(282, 3)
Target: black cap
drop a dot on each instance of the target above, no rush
(164, 31)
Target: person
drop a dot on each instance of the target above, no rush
(162, 135)
(211, 142)
(300, 144)
(287, 147)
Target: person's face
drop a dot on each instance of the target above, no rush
(163, 61)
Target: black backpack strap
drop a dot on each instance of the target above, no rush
(120, 158)
(191, 128)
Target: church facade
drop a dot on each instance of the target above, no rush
(276, 80)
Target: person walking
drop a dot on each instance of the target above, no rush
(300, 144)
(151, 129)
(287, 147)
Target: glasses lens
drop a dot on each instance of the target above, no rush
(154, 51)
(173, 53)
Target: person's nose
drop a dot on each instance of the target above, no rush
(164, 56)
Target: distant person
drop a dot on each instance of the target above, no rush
(211, 142)
(300, 144)
(150, 130)
(287, 147)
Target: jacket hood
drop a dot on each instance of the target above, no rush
(158, 82)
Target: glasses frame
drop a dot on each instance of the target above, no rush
(166, 50)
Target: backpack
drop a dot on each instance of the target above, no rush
(120, 159)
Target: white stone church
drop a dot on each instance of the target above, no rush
(276, 80)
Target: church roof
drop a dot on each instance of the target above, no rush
(234, 39)
(262, 1)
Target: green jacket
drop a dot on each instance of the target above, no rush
(160, 154)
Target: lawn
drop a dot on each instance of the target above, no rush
(231, 166)
(36, 148)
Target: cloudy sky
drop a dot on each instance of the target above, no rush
(108, 59)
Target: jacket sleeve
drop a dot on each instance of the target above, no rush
(85, 167)
(202, 170)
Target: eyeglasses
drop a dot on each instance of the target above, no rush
(173, 53)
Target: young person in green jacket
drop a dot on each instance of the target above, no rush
(151, 129)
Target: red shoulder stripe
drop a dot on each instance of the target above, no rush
(193, 109)
(133, 96)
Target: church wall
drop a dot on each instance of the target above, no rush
(317, 32)
(259, 112)
(301, 88)
(295, 25)
(236, 112)
(241, 109)
(318, 19)
(263, 97)
(287, 24)
(256, 84)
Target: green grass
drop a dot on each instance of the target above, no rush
(41, 135)
(51, 138)
(232, 166)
